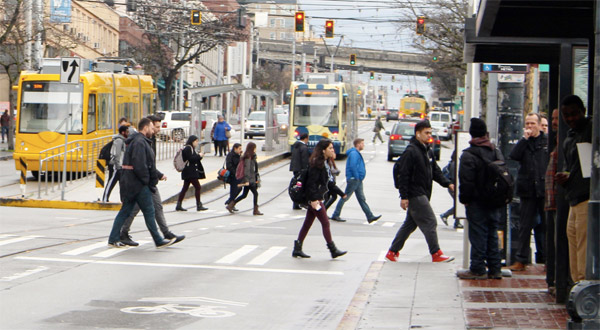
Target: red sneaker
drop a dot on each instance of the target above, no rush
(440, 257)
(392, 256)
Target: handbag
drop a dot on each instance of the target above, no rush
(239, 171)
(223, 174)
(228, 134)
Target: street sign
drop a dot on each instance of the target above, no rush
(505, 68)
(70, 67)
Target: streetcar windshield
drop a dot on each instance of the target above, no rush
(413, 105)
(46, 105)
(316, 107)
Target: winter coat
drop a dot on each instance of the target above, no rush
(532, 155)
(300, 157)
(231, 162)
(250, 170)
(139, 168)
(117, 151)
(355, 165)
(220, 128)
(193, 169)
(418, 169)
(472, 170)
(577, 188)
(317, 183)
(378, 126)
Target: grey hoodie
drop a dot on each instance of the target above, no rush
(117, 151)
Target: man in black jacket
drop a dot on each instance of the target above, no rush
(484, 220)
(138, 181)
(417, 170)
(299, 159)
(532, 154)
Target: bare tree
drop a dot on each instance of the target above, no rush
(271, 77)
(443, 39)
(170, 41)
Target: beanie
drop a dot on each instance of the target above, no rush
(477, 128)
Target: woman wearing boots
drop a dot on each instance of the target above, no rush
(316, 187)
(192, 172)
(251, 179)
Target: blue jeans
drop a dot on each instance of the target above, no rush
(353, 186)
(144, 200)
(483, 235)
(4, 132)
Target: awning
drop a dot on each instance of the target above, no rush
(161, 84)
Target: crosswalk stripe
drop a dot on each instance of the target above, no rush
(84, 249)
(18, 239)
(388, 224)
(382, 255)
(264, 257)
(235, 255)
(112, 251)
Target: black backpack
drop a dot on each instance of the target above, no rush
(105, 152)
(297, 187)
(396, 173)
(499, 184)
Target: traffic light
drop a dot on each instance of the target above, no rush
(299, 21)
(435, 58)
(328, 29)
(352, 59)
(372, 75)
(421, 25)
(196, 17)
(131, 5)
(393, 78)
(429, 77)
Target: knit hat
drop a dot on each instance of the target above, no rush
(477, 128)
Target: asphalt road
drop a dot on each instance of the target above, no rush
(231, 272)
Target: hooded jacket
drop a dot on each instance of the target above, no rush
(418, 169)
(300, 157)
(472, 169)
(532, 155)
(355, 165)
(140, 157)
(117, 151)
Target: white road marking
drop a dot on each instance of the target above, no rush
(220, 226)
(235, 255)
(84, 249)
(369, 224)
(235, 223)
(382, 255)
(299, 217)
(18, 239)
(188, 231)
(188, 266)
(112, 251)
(281, 216)
(203, 228)
(194, 299)
(388, 224)
(264, 257)
(24, 274)
(269, 227)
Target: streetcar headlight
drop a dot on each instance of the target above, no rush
(335, 136)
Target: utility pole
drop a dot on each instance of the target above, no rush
(330, 53)
(27, 7)
(294, 57)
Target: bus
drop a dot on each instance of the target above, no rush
(82, 116)
(323, 111)
(413, 105)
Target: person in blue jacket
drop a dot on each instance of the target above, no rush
(220, 136)
(355, 174)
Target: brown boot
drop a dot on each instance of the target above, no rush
(517, 267)
(230, 206)
(256, 211)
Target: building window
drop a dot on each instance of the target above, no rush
(282, 36)
(272, 22)
(273, 36)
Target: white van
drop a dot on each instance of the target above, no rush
(441, 121)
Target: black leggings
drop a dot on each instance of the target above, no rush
(186, 185)
(252, 187)
(221, 147)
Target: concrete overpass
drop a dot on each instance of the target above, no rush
(391, 62)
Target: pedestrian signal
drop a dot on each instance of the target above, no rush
(299, 21)
(196, 17)
(352, 59)
(328, 29)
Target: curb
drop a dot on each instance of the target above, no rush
(356, 308)
(54, 204)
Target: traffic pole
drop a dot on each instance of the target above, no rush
(23, 179)
(100, 179)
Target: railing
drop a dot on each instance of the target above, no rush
(168, 141)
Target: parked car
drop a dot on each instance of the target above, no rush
(391, 114)
(441, 121)
(175, 125)
(400, 136)
(255, 124)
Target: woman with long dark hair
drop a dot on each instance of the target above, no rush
(316, 186)
(192, 172)
(250, 179)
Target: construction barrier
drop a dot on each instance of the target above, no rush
(100, 168)
(23, 179)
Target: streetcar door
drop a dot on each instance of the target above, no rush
(91, 114)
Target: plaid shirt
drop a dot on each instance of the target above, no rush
(550, 201)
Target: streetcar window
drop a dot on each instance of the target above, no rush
(413, 105)
(46, 105)
(316, 107)
(105, 111)
(148, 104)
(91, 115)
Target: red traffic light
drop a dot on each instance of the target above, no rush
(328, 29)
(420, 21)
(420, 25)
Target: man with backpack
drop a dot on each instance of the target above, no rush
(476, 176)
(532, 154)
(117, 151)
(415, 171)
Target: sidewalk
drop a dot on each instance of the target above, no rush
(83, 194)
(430, 296)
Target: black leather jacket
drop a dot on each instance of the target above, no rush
(139, 168)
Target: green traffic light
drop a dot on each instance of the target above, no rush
(435, 59)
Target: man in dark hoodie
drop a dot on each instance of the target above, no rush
(532, 154)
(418, 169)
(299, 159)
(483, 219)
(138, 181)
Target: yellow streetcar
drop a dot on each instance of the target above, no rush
(413, 105)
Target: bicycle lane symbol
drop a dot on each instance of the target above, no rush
(185, 305)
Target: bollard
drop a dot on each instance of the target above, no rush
(100, 168)
(23, 180)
